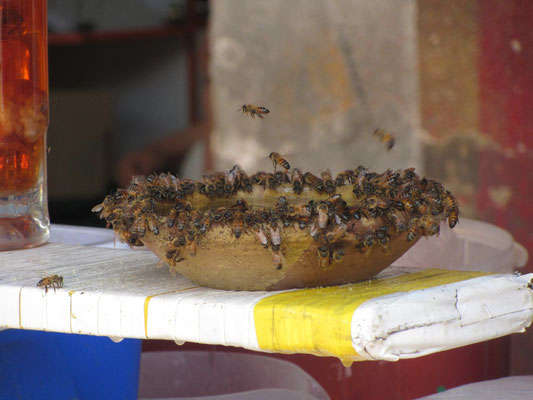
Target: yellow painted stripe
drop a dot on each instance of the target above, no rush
(318, 321)
(147, 302)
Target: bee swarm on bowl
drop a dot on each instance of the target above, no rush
(286, 229)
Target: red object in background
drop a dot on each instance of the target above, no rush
(505, 189)
(384, 380)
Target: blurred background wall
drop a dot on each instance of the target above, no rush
(452, 81)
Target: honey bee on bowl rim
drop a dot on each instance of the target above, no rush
(278, 159)
(252, 110)
(52, 281)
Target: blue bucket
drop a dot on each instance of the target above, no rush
(49, 365)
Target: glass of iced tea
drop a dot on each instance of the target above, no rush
(24, 218)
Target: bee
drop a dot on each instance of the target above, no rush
(397, 219)
(238, 224)
(152, 224)
(336, 234)
(262, 178)
(300, 210)
(278, 159)
(347, 176)
(338, 254)
(303, 221)
(206, 222)
(429, 226)
(139, 227)
(52, 281)
(191, 243)
(239, 179)
(329, 183)
(180, 241)
(368, 239)
(241, 205)
(250, 218)
(260, 235)
(313, 181)
(275, 237)
(408, 204)
(385, 137)
(323, 255)
(413, 230)
(453, 218)
(322, 210)
(252, 110)
(383, 237)
(277, 259)
(297, 181)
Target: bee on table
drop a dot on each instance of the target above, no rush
(385, 137)
(52, 281)
(252, 110)
(278, 159)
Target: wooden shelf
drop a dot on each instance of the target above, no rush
(80, 38)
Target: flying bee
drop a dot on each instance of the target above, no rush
(278, 159)
(260, 235)
(329, 183)
(252, 110)
(385, 137)
(52, 281)
(275, 237)
(297, 181)
(322, 210)
(192, 246)
(313, 181)
(238, 224)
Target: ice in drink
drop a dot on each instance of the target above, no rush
(23, 123)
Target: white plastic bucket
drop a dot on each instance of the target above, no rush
(470, 246)
(206, 375)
